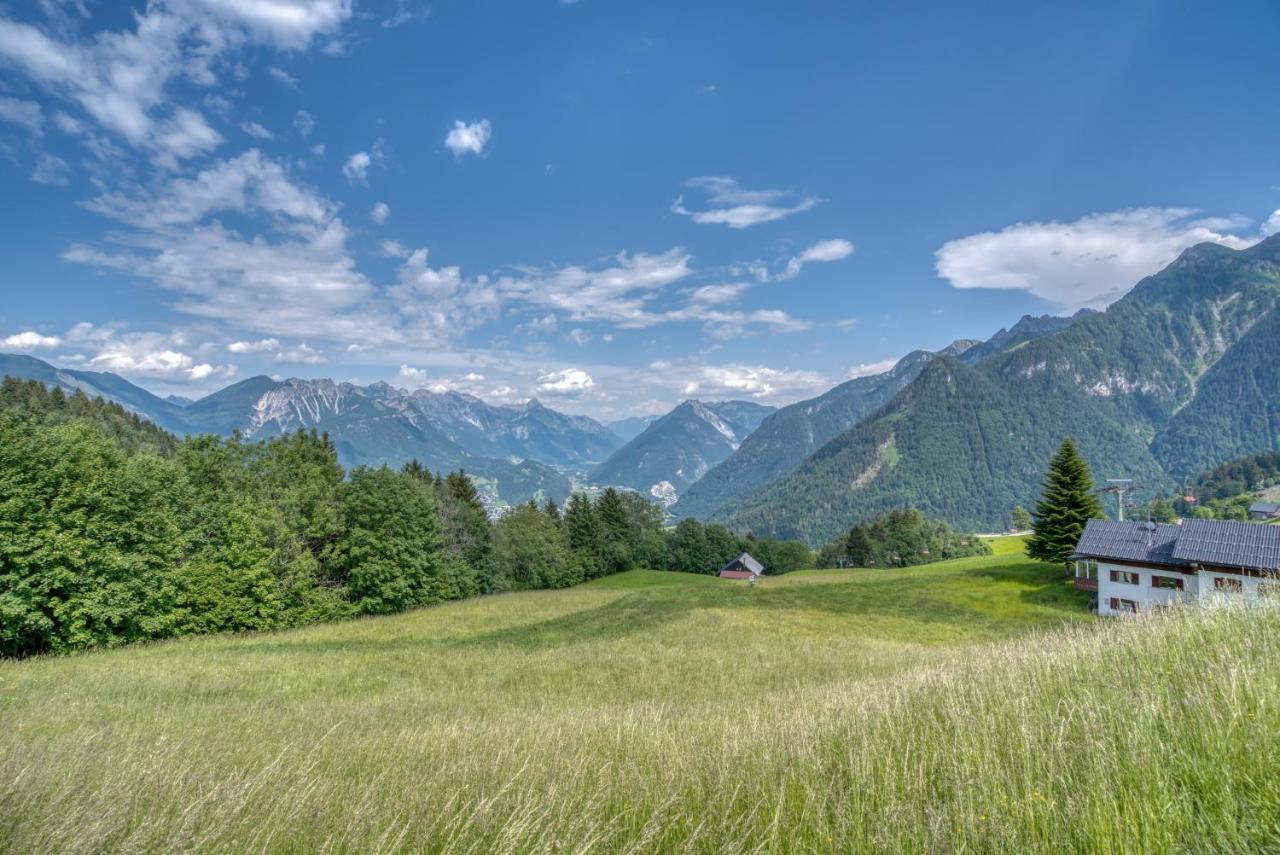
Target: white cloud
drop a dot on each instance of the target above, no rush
(412, 375)
(265, 345)
(248, 183)
(546, 323)
(146, 354)
(870, 369)
(256, 131)
(756, 381)
(738, 208)
(463, 138)
(25, 113)
(568, 381)
(304, 123)
(716, 294)
(1089, 262)
(380, 213)
(30, 340)
(282, 77)
(122, 79)
(404, 13)
(1272, 225)
(395, 249)
(50, 169)
(617, 293)
(185, 134)
(300, 355)
(357, 167)
(579, 336)
(823, 251)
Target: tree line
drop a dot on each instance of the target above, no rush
(902, 537)
(114, 531)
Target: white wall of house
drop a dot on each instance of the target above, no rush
(1146, 595)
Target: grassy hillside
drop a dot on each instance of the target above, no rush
(968, 706)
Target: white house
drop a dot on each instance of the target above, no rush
(1137, 566)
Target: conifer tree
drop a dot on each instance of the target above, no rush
(583, 532)
(1067, 504)
(551, 509)
(462, 489)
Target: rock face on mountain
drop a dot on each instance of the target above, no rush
(509, 449)
(680, 447)
(1177, 376)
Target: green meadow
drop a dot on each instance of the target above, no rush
(969, 706)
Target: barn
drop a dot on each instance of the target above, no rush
(742, 567)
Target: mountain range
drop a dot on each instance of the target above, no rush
(515, 453)
(677, 449)
(1180, 374)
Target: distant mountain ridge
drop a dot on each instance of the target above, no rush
(1180, 374)
(510, 450)
(677, 449)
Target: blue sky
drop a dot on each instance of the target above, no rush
(612, 206)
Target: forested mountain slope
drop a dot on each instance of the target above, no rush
(967, 443)
(788, 436)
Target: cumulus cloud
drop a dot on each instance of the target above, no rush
(468, 139)
(264, 345)
(30, 340)
(357, 167)
(755, 381)
(732, 205)
(257, 131)
(300, 355)
(870, 369)
(1272, 225)
(823, 251)
(147, 355)
(380, 212)
(568, 381)
(1089, 262)
(304, 123)
(282, 77)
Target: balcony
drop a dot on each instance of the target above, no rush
(1086, 578)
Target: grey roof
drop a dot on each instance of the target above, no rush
(1146, 543)
(1264, 507)
(746, 561)
(1249, 546)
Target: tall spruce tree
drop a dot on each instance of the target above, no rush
(1067, 504)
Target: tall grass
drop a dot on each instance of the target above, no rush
(961, 707)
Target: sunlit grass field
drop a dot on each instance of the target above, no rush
(971, 706)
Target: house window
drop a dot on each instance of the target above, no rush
(1086, 568)
(1269, 589)
(1173, 583)
(1230, 586)
(1124, 577)
(1121, 605)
